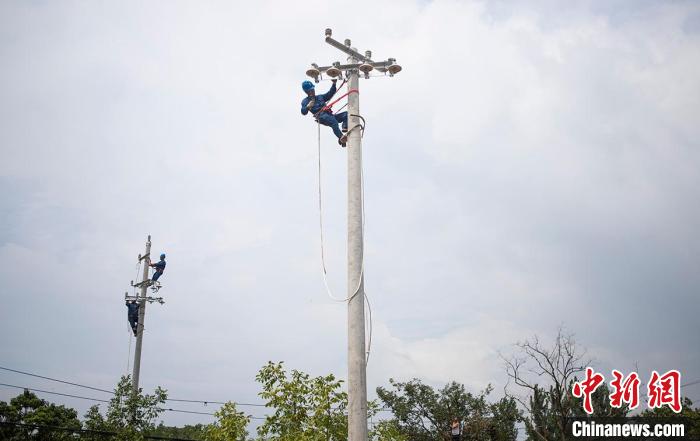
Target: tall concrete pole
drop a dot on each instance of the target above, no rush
(142, 315)
(357, 361)
(357, 368)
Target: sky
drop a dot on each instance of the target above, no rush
(534, 166)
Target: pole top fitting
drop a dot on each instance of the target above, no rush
(368, 54)
(329, 32)
(347, 42)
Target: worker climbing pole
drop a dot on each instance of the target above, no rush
(353, 123)
(159, 269)
(322, 110)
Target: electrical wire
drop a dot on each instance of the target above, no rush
(54, 393)
(205, 402)
(57, 380)
(86, 431)
(215, 402)
(107, 401)
(692, 383)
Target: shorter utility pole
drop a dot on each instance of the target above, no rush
(146, 259)
(142, 299)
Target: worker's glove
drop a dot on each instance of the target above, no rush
(310, 105)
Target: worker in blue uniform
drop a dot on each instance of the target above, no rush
(315, 104)
(133, 315)
(160, 267)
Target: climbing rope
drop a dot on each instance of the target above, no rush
(320, 221)
(368, 324)
(368, 319)
(138, 271)
(128, 358)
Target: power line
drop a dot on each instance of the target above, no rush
(205, 402)
(691, 383)
(54, 393)
(215, 402)
(204, 413)
(76, 430)
(57, 380)
(107, 401)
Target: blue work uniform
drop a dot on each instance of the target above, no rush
(160, 267)
(327, 118)
(133, 315)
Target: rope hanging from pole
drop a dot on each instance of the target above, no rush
(128, 358)
(368, 320)
(320, 220)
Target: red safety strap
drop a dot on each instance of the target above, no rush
(328, 106)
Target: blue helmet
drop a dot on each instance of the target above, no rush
(162, 256)
(307, 85)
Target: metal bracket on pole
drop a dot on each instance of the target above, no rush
(348, 50)
(129, 298)
(146, 283)
(366, 64)
(147, 256)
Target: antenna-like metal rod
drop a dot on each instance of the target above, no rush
(347, 50)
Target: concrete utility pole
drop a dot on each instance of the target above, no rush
(357, 361)
(144, 284)
(357, 367)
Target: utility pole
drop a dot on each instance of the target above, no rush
(357, 361)
(144, 284)
(357, 367)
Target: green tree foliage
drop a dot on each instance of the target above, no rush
(305, 408)
(129, 414)
(690, 413)
(27, 408)
(230, 426)
(388, 430)
(424, 414)
(195, 432)
(547, 421)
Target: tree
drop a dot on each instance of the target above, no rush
(129, 414)
(306, 409)
(691, 417)
(388, 430)
(29, 409)
(424, 414)
(231, 425)
(195, 432)
(547, 375)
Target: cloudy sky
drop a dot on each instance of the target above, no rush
(532, 166)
